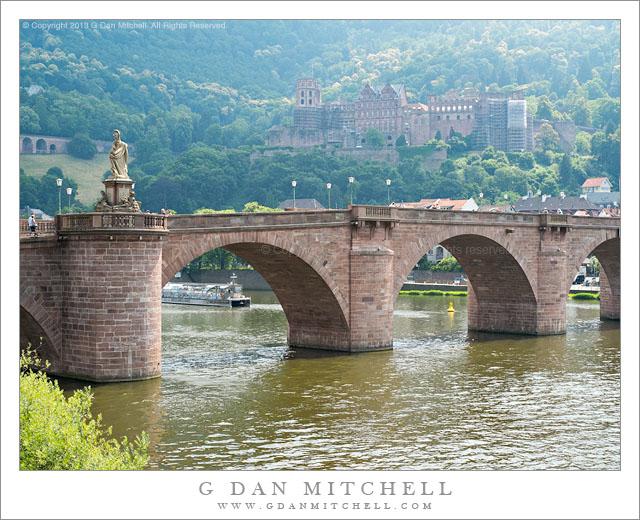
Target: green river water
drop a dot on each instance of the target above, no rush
(233, 396)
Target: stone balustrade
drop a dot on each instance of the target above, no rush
(45, 227)
(110, 222)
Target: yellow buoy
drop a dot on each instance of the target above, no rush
(451, 309)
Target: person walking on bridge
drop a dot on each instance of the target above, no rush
(33, 225)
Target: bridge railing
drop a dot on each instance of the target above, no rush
(45, 227)
(206, 221)
(144, 222)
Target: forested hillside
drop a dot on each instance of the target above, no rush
(168, 90)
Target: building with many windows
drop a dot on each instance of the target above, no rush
(495, 119)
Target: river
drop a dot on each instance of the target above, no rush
(233, 396)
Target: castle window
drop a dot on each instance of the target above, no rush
(438, 118)
(302, 93)
(468, 117)
(302, 101)
(458, 117)
(309, 93)
(447, 118)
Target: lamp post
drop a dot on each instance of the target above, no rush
(329, 193)
(59, 183)
(351, 179)
(293, 183)
(388, 187)
(506, 196)
(69, 190)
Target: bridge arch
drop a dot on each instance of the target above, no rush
(41, 146)
(316, 309)
(501, 291)
(27, 145)
(37, 323)
(607, 251)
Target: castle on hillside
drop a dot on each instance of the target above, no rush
(494, 118)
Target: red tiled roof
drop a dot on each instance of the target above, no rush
(594, 183)
(454, 205)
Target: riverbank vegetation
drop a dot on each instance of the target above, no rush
(576, 296)
(584, 296)
(433, 293)
(57, 433)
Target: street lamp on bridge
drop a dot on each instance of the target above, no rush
(351, 179)
(388, 187)
(59, 183)
(293, 183)
(329, 193)
(69, 190)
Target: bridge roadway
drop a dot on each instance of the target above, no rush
(92, 291)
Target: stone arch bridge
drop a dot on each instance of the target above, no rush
(92, 289)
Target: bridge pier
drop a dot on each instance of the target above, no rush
(608, 255)
(551, 315)
(372, 298)
(110, 302)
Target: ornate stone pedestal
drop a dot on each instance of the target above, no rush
(118, 195)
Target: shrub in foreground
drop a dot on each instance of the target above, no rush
(60, 433)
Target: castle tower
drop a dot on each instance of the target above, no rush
(307, 113)
(308, 93)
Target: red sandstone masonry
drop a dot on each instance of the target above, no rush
(95, 298)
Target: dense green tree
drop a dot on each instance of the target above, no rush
(526, 160)
(605, 111)
(565, 170)
(82, 146)
(29, 120)
(374, 138)
(448, 265)
(582, 144)
(213, 134)
(254, 207)
(234, 135)
(401, 141)
(545, 109)
(43, 193)
(580, 112)
(548, 139)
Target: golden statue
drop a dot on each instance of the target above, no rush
(118, 157)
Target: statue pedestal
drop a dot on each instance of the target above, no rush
(118, 196)
(117, 190)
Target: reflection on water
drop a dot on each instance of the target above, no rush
(234, 396)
